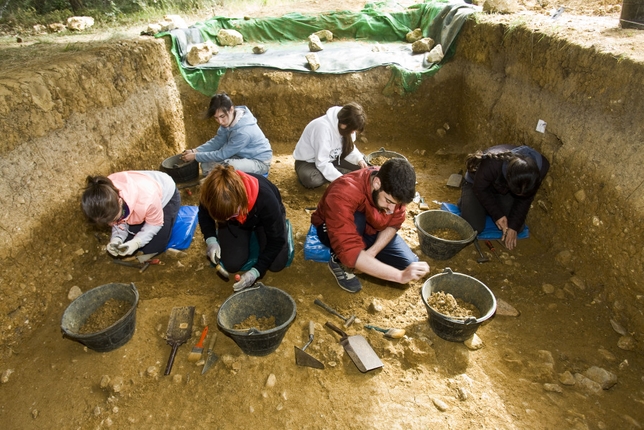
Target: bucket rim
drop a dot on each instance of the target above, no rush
(455, 242)
(86, 336)
(168, 162)
(253, 331)
(448, 271)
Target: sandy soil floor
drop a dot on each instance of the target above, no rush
(522, 377)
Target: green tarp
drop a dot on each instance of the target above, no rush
(370, 38)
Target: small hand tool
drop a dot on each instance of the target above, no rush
(393, 333)
(303, 358)
(197, 350)
(211, 357)
(347, 320)
(489, 245)
(482, 259)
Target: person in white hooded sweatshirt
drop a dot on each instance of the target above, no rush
(326, 150)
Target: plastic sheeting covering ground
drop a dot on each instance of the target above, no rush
(371, 38)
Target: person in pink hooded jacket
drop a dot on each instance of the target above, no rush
(140, 206)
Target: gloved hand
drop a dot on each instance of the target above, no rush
(113, 246)
(214, 250)
(129, 247)
(246, 280)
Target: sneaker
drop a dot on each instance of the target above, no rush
(346, 279)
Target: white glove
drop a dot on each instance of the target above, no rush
(246, 280)
(129, 247)
(113, 246)
(214, 250)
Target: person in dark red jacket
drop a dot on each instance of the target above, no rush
(233, 205)
(358, 218)
(502, 182)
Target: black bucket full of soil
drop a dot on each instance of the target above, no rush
(103, 318)
(443, 234)
(468, 292)
(257, 318)
(632, 15)
(379, 157)
(179, 170)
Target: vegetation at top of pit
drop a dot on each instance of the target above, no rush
(22, 15)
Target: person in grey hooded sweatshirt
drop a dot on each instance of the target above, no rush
(239, 141)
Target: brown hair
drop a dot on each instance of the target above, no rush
(223, 193)
(353, 116)
(100, 200)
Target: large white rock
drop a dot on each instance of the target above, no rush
(79, 23)
(201, 53)
(170, 22)
(500, 6)
(313, 60)
(435, 55)
(229, 37)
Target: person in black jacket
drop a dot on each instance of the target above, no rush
(233, 205)
(502, 182)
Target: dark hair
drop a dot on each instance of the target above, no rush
(353, 116)
(100, 200)
(398, 178)
(522, 175)
(218, 101)
(223, 193)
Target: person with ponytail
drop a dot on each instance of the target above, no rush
(140, 207)
(326, 150)
(233, 205)
(502, 182)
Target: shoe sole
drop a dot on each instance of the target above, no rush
(340, 285)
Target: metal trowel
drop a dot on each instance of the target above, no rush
(303, 358)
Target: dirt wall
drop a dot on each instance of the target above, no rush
(593, 202)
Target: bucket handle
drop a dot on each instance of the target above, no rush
(448, 271)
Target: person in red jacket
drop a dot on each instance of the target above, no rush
(358, 218)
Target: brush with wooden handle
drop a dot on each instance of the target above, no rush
(197, 350)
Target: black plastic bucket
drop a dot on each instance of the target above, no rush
(463, 287)
(180, 170)
(262, 302)
(112, 337)
(383, 153)
(436, 247)
(632, 15)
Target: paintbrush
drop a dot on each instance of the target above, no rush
(197, 350)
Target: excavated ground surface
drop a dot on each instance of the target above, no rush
(567, 318)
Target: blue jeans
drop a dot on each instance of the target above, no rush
(396, 253)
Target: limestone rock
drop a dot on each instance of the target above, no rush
(564, 257)
(270, 382)
(324, 35)
(552, 388)
(435, 55)
(423, 45)
(474, 343)
(201, 53)
(548, 288)
(500, 6)
(79, 23)
(259, 49)
(626, 343)
(506, 309)
(152, 29)
(314, 62)
(566, 378)
(74, 293)
(56, 27)
(414, 35)
(602, 376)
(170, 22)
(588, 384)
(580, 196)
(315, 45)
(229, 37)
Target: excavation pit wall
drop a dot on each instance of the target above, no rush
(125, 106)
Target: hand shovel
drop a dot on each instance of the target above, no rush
(304, 359)
(363, 356)
(179, 331)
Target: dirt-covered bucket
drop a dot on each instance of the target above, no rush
(469, 290)
(439, 248)
(383, 156)
(109, 338)
(259, 301)
(179, 170)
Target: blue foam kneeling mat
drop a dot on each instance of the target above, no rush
(490, 231)
(184, 228)
(314, 249)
